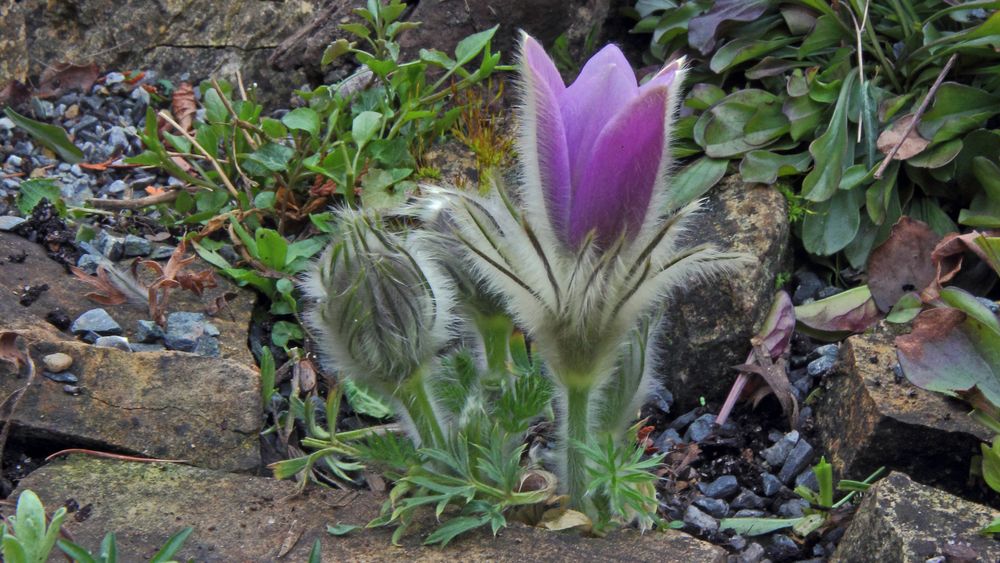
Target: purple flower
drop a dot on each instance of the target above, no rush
(597, 149)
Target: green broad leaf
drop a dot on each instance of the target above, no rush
(468, 48)
(741, 50)
(937, 155)
(52, 136)
(273, 128)
(756, 526)
(984, 210)
(13, 552)
(703, 96)
(992, 528)
(906, 309)
(392, 153)
(337, 49)
(363, 401)
(695, 179)
(215, 108)
(272, 156)
(299, 252)
(743, 121)
(178, 142)
(31, 192)
(288, 468)
(804, 116)
(267, 372)
(437, 58)
(831, 153)
(385, 189)
(454, 527)
(316, 553)
(957, 109)
(766, 167)
(809, 524)
(77, 553)
(302, 119)
(173, 545)
(272, 248)
(991, 464)
(826, 34)
(284, 332)
(264, 200)
(365, 125)
(849, 312)
(342, 529)
(832, 224)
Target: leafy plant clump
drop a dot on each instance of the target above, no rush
(869, 110)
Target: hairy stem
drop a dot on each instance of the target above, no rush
(496, 331)
(576, 428)
(413, 394)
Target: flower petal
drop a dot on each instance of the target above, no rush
(543, 137)
(617, 184)
(665, 76)
(605, 85)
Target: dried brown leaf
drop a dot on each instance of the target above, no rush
(947, 256)
(911, 146)
(184, 106)
(902, 264)
(107, 293)
(58, 79)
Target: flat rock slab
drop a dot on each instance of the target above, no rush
(67, 293)
(868, 418)
(245, 518)
(167, 405)
(709, 324)
(901, 521)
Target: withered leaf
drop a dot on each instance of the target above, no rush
(58, 79)
(832, 318)
(902, 264)
(947, 256)
(107, 293)
(911, 146)
(183, 105)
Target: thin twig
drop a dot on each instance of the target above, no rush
(211, 158)
(916, 116)
(109, 455)
(165, 197)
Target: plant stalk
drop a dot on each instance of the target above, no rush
(576, 428)
(413, 394)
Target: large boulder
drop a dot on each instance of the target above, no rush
(259, 519)
(708, 325)
(168, 405)
(200, 37)
(869, 416)
(901, 521)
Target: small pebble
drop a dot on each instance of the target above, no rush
(772, 485)
(97, 321)
(820, 365)
(754, 553)
(71, 390)
(207, 346)
(737, 542)
(699, 520)
(57, 362)
(725, 486)
(147, 332)
(183, 330)
(682, 420)
(667, 440)
(807, 479)
(62, 377)
(747, 499)
(793, 508)
(776, 454)
(701, 428)
(783, 548)
(828, 292)
(89, 263)
(141, 347)
(797, 460)
(136, 246)
(749, 513)
(716, 507)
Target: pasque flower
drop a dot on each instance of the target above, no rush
(591, 241)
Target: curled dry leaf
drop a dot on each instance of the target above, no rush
(105, 291)
(947, 256)
(911, 146)
(833, 318)
(183, 105)
(58, 79)
(562, 519)
(902, 264)
(13, 351)
(942, 354)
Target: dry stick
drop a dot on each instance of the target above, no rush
(215, 163)
(916, 116)
(165, 197)
(109, 455)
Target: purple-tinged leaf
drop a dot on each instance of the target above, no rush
(833, 318)
(902, 264)
(779, 325)
(945, 353)
(703, 29)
